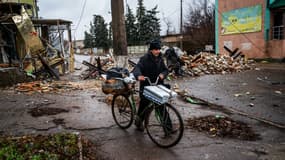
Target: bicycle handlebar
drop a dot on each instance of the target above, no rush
(132, 80)
(152, 84)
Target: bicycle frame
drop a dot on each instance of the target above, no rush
(131, 98)
(133, 103)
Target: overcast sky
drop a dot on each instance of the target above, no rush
(71, 10)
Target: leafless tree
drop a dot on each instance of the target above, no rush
(199, 25)
(169, 25)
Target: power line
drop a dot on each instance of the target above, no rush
(81, 15)
(181, 24)
(172, 13)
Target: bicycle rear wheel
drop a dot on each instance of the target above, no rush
(122, 111)
(164, 125)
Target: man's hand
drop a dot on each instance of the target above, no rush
(161, 76)
(141, 78)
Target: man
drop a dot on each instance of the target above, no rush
(173, 61)
(150, 65)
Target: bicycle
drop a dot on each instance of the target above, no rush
(163, 123)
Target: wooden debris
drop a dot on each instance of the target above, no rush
(206, 63)
(55, 86)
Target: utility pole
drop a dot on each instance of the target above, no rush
(118, 27)
(126, 5)
(119, 33)
(181, 25)
(205, 7)
(36, 9)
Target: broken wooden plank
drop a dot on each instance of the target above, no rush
(48, 68)
(132, 63)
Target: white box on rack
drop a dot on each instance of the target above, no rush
(158, 94)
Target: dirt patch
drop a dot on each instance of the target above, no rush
(44, 111)
(221, 126)
(56, 146)
(59, 121)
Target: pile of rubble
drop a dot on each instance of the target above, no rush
(198, 65)
(207, 63)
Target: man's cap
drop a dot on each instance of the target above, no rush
(155, 44)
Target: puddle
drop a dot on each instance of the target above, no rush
(59, 121)
(44, 111)
(75, 107)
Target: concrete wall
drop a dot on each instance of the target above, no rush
(251, 44)
(132, 50)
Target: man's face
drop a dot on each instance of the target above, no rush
(155, 52)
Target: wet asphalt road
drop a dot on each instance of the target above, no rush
(259, 93)
(92, 117)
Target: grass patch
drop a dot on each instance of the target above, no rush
(47, 147)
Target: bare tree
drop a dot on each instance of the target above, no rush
(169, 25)
(199, 26)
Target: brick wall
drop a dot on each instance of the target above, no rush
(253, 45)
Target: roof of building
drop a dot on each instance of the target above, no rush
(51, 21)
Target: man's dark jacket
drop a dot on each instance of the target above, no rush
(150, 66)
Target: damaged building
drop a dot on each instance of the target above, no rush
(31, 47)
(255, 28)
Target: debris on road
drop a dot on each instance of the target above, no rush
(54, 86)
(187, 97)
(42, 87)
(220, 126)
(194, 100)
(238, 94)
(250, 104)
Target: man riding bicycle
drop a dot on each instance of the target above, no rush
(150, 65)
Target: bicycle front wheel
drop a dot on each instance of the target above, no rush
(122, 111)
(164, 125)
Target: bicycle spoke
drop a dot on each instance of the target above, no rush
(164, 126)
(125, 115)
(122, 111)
